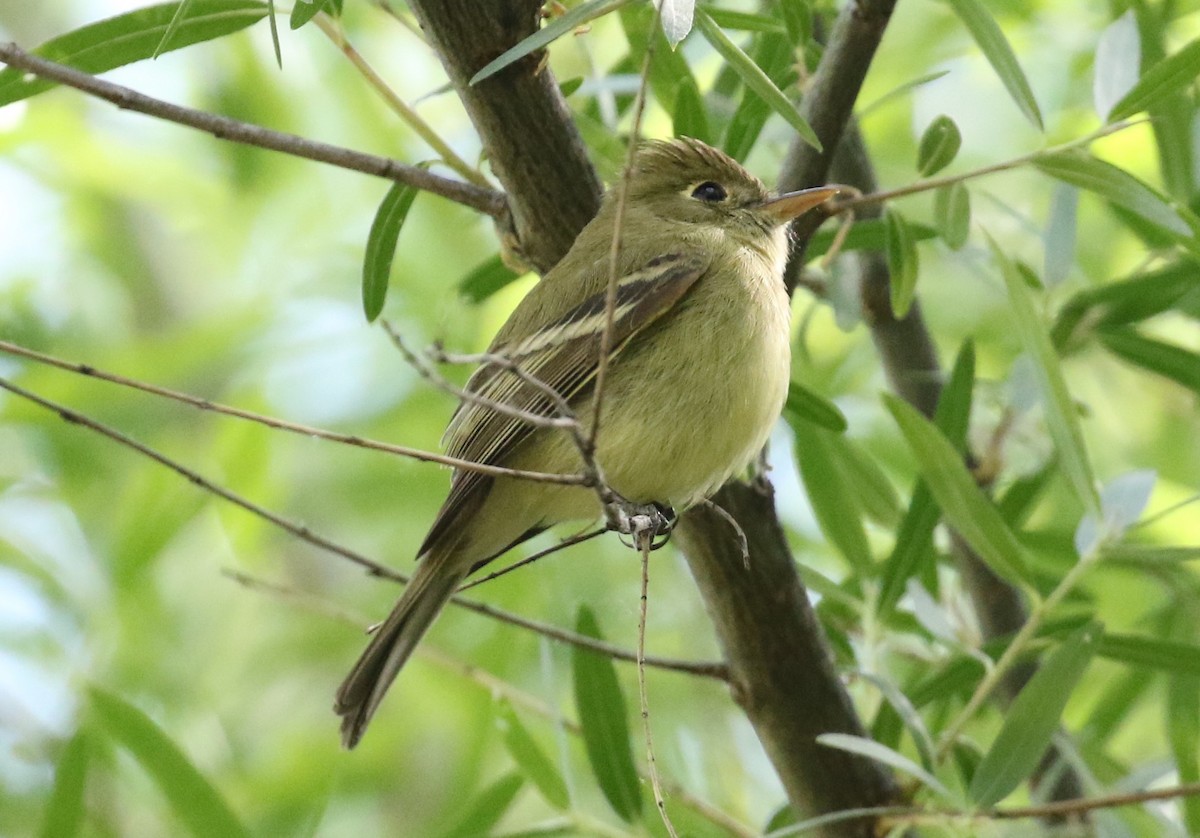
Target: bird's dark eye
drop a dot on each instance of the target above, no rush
(710, 191)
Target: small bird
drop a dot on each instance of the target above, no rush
(699, 364)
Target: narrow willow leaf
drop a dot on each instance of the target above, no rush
(746, 21)
(486, 279)
(689, 116)
(755, 79)
(676, 18)
(1151, 653)
(566, 88)
(1122, 501)
(833, 500)
(172, 27)
(303, 11)
(1183, 732)
(871, 485)
(65, 807)
(797, 19)
(1020, 498)
(531, 758)
(604, 721)
(556, 28)
(274, 33)
(902, 262)
(914, 539)
(1171, 75)
(381, 247)
(1129, 301)
(938, 147)
(999, 53)
(1118, 60)
(952, 214)
(1060, 235)
(908, 714)
(1113, 184)
(868, 234)
(1031, 720)
(1061, 417)
(775, 55)
(486, 810)
(964, 504)
(809, 406)
(193, 799)
(1174, 362)
(899, 91)
(131, 37)
(881, 753)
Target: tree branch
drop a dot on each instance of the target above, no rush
(487, 201)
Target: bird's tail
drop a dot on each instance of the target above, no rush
(393, 642)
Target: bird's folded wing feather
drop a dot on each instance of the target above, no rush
(562, 356)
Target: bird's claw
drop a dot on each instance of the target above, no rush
(648, 525)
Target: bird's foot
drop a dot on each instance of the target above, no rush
(649, 525)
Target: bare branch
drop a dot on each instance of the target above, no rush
(487, 201)
(707, 670)
(644, 698)
(291, 427)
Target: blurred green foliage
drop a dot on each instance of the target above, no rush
(136, 674)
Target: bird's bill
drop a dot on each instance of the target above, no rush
(795, 204)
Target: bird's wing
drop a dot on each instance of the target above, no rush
(562, 356)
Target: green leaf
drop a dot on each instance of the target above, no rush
(1031, 720)
(303, 11)
(570, 86)
(604, 721)
(689, 116)
(1118, 57)
(755, 79)
(1018, 500)
(1151, 653)
(676, 16)
(806, 405)
(193, 799)
(881, 753)
(1113, 184)
(1183, 732)
(124, 39)
(797, 20)
(1174, 362)
(487, 809)
(745, 21)
(1128, 301)
(556, 28)
(173, 27)
(902, 262)
(1171, 75)
(938, 147)
(833, 500)
(65, 807)
(964, 504)
(868, 234)
(908, 714)
(775, 54)
(875, 492)
(899, 91)
(952, 214)
(1059, 409)
(914, 539)
(486, 279)
(381, 246)
(999, 53)
(532, 760)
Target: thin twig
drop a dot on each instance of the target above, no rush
(290, 427)
(610, 294)
(651, 761)
(717, 671)
(540, 554)
(333, 30)
(1003, 166)
(487, 201)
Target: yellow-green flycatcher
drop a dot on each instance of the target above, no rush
(699, 367)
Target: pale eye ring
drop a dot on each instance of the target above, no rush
(710, 192)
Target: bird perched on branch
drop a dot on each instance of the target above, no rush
(698, 366)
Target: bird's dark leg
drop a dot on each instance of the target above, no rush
(648, 524)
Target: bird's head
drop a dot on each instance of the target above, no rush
(688, 181)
